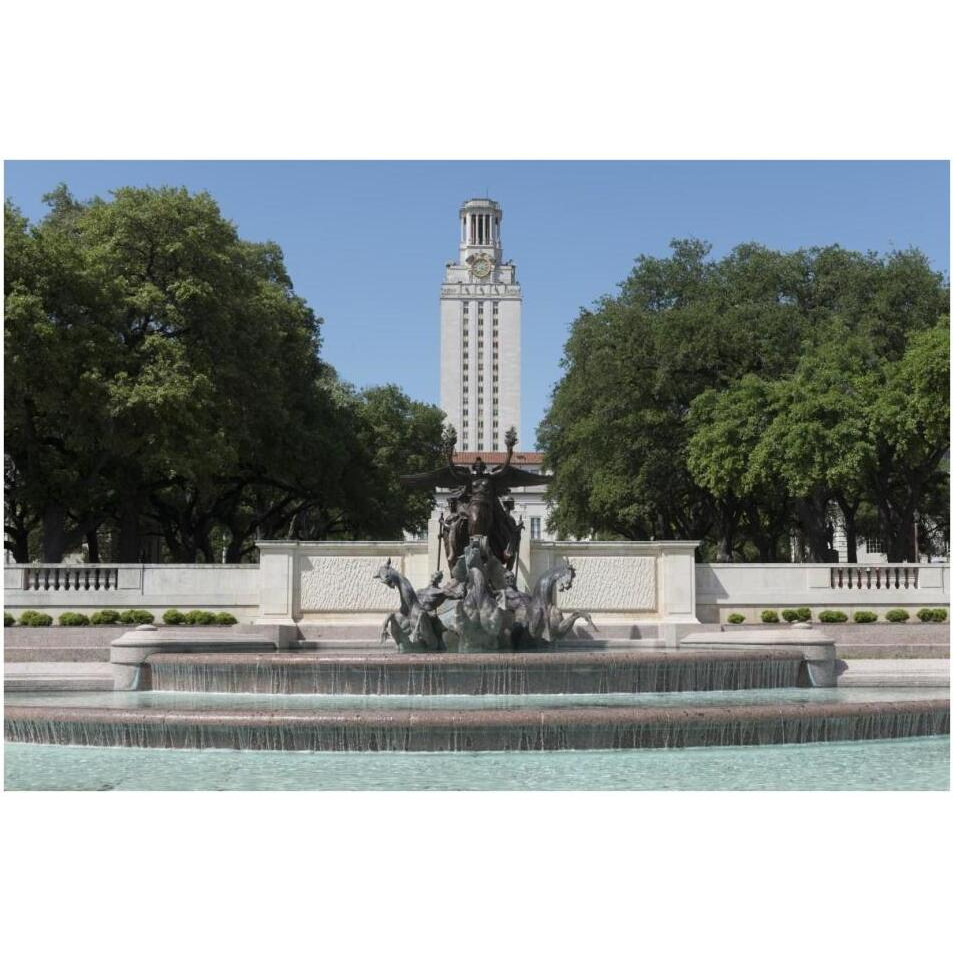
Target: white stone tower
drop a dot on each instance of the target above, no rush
(480, 312)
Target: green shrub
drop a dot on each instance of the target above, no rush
(104, 617)
(862, 615)
(939, 615)
(736, 618)
(832, 615)
(173, 617)
(932, 615)
(73, 618)
(8, 619)
(137, 617)
(32, 617)
(896, 615)
(199, 617)
(225, 618)
(769, 615)
(803, 614)
(789, 615)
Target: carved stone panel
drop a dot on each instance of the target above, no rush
(345, 584)
(611, 583)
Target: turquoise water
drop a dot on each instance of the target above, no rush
(915, 764)
(190, 701)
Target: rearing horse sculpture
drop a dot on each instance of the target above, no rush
(541, 619)
(413, 628)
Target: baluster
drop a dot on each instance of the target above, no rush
(95, 575)
(840, 578)
(896, 579)
(877, 576)
(916, 578)
(46, 579)
(851, 577)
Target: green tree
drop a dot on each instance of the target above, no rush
(163, 377)
(736, 400)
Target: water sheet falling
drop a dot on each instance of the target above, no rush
(486, 730)
(491, 674)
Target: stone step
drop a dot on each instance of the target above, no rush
(910, 633)
(887, 650)
(57, 676)
(24, 636)
(57, 683)
(57, 653)
(895, 673)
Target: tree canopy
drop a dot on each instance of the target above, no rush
(736, 400)
(164, 379)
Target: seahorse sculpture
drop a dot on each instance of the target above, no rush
(412, 628)
(539, 616)
(477, 622)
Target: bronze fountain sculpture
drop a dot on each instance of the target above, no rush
(479, 609)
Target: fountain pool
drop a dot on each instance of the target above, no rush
(908, 764)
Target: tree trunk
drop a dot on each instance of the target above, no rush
(812, 515)
(54, 532)
(92, 544)
(129, 542)
(19, 545)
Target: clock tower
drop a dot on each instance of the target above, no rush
(480, 313)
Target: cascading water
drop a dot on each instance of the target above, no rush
(486, 730)
(576, 673)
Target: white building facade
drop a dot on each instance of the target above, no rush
(481, 307)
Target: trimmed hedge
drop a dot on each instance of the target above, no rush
(862, 615)
(137, 617)
(200, 617)
(803, 614)
(769, 615)
(225, 618)
(832, 615)
(789, 615)
(104, 617)
(33, 618)
(173, 617)
(896, 615)
(8, 619)
(73, 618)
(932, 615)
(736, 618)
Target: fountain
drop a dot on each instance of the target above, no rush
(480, 665)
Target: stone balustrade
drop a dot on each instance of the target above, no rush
(902, 576)
(749, 588)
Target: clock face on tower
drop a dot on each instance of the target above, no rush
(481, 267)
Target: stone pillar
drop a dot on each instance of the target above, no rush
(676, 583)
(278, 599)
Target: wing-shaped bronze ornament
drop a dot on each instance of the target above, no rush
(515, 476)
(444, 477)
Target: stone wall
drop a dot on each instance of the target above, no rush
(749, 588)
(332, 582)
(59, 588)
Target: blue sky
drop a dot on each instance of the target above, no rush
(365, 242)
